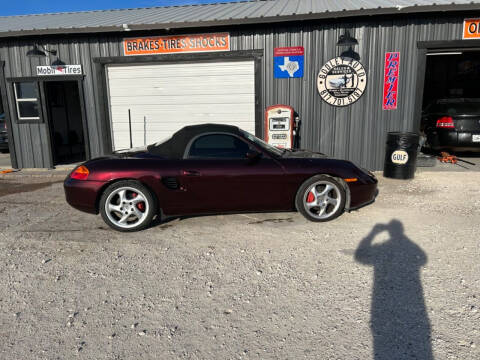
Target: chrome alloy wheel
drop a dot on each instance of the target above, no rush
(126, 207)
(322, 199)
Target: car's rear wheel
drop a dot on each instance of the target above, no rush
(127, 206)
(320, 198)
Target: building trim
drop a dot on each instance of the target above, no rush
(419, 88)
(47, 123)
(8, 121)
(450, 44)
(46, 78)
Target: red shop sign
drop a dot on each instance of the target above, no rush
(390, 80)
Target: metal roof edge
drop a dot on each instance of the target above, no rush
(247, 21)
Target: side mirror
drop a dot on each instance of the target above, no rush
(253, 155)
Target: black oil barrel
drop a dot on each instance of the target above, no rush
(401, 155)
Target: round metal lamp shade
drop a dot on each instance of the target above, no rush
(36, 52)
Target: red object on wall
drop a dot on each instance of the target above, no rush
(390, 81)
(289, 51)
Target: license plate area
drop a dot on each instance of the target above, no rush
(476, 138)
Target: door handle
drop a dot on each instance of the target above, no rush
(190, 173)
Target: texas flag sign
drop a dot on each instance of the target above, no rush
(288, 62)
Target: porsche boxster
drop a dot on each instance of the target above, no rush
(212, 169)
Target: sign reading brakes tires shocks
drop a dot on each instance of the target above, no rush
(176, 44)
(399, 157)
(341, 81)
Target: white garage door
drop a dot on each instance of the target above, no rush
(171, 96)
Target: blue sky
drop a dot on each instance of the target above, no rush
(22, 7)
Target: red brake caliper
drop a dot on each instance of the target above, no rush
(310, 197)
(140, 205)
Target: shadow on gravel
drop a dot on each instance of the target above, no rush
(274, 221)
(399, 320)
(8, 188)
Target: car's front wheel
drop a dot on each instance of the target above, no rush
(320, 198)
(127, 206)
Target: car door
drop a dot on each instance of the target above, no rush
(218, 176)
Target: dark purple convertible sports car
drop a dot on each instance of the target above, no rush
(213, 169)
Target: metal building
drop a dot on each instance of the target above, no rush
(70, 82)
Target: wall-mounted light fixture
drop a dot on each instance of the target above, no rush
(347, 40)
(36, 52)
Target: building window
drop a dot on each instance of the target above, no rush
(26, 98)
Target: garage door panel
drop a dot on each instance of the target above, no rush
(123, 142)
(152, 136)
(174, 112)
(156, 78)
(156, 130)
(186, 68)
(198, 99)
(164, 126)
(176, 88)
(182, 70)
(138, 89)
(172, 96)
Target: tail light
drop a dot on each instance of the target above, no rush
(445, 122)
(80, 173)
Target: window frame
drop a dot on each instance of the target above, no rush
(186, 153)
(29, 119)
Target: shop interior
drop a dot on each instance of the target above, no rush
(65, 117)
(451, 101)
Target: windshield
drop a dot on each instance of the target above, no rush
(262, 144)
(453, 107)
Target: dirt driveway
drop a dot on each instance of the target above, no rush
(399, 279)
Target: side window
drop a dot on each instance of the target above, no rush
(220, 146)
(26, 99)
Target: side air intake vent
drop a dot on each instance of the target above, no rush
(170, 182)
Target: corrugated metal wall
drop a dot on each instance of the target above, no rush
(356, 132)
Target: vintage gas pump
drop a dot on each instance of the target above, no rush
(280, 126)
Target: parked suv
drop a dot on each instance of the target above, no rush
(452, 124)
(3, 134)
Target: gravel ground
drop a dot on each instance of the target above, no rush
(250, 286)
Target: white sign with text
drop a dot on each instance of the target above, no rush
(59, 70)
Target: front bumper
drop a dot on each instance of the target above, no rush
(450, 139)
(83, 195)
(363, 192)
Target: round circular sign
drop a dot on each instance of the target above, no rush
(399, 157)
(341, 81)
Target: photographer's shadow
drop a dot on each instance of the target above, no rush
(399, 320)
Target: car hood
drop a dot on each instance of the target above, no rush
(300, 153)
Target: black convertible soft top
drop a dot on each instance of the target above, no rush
(174, 148)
